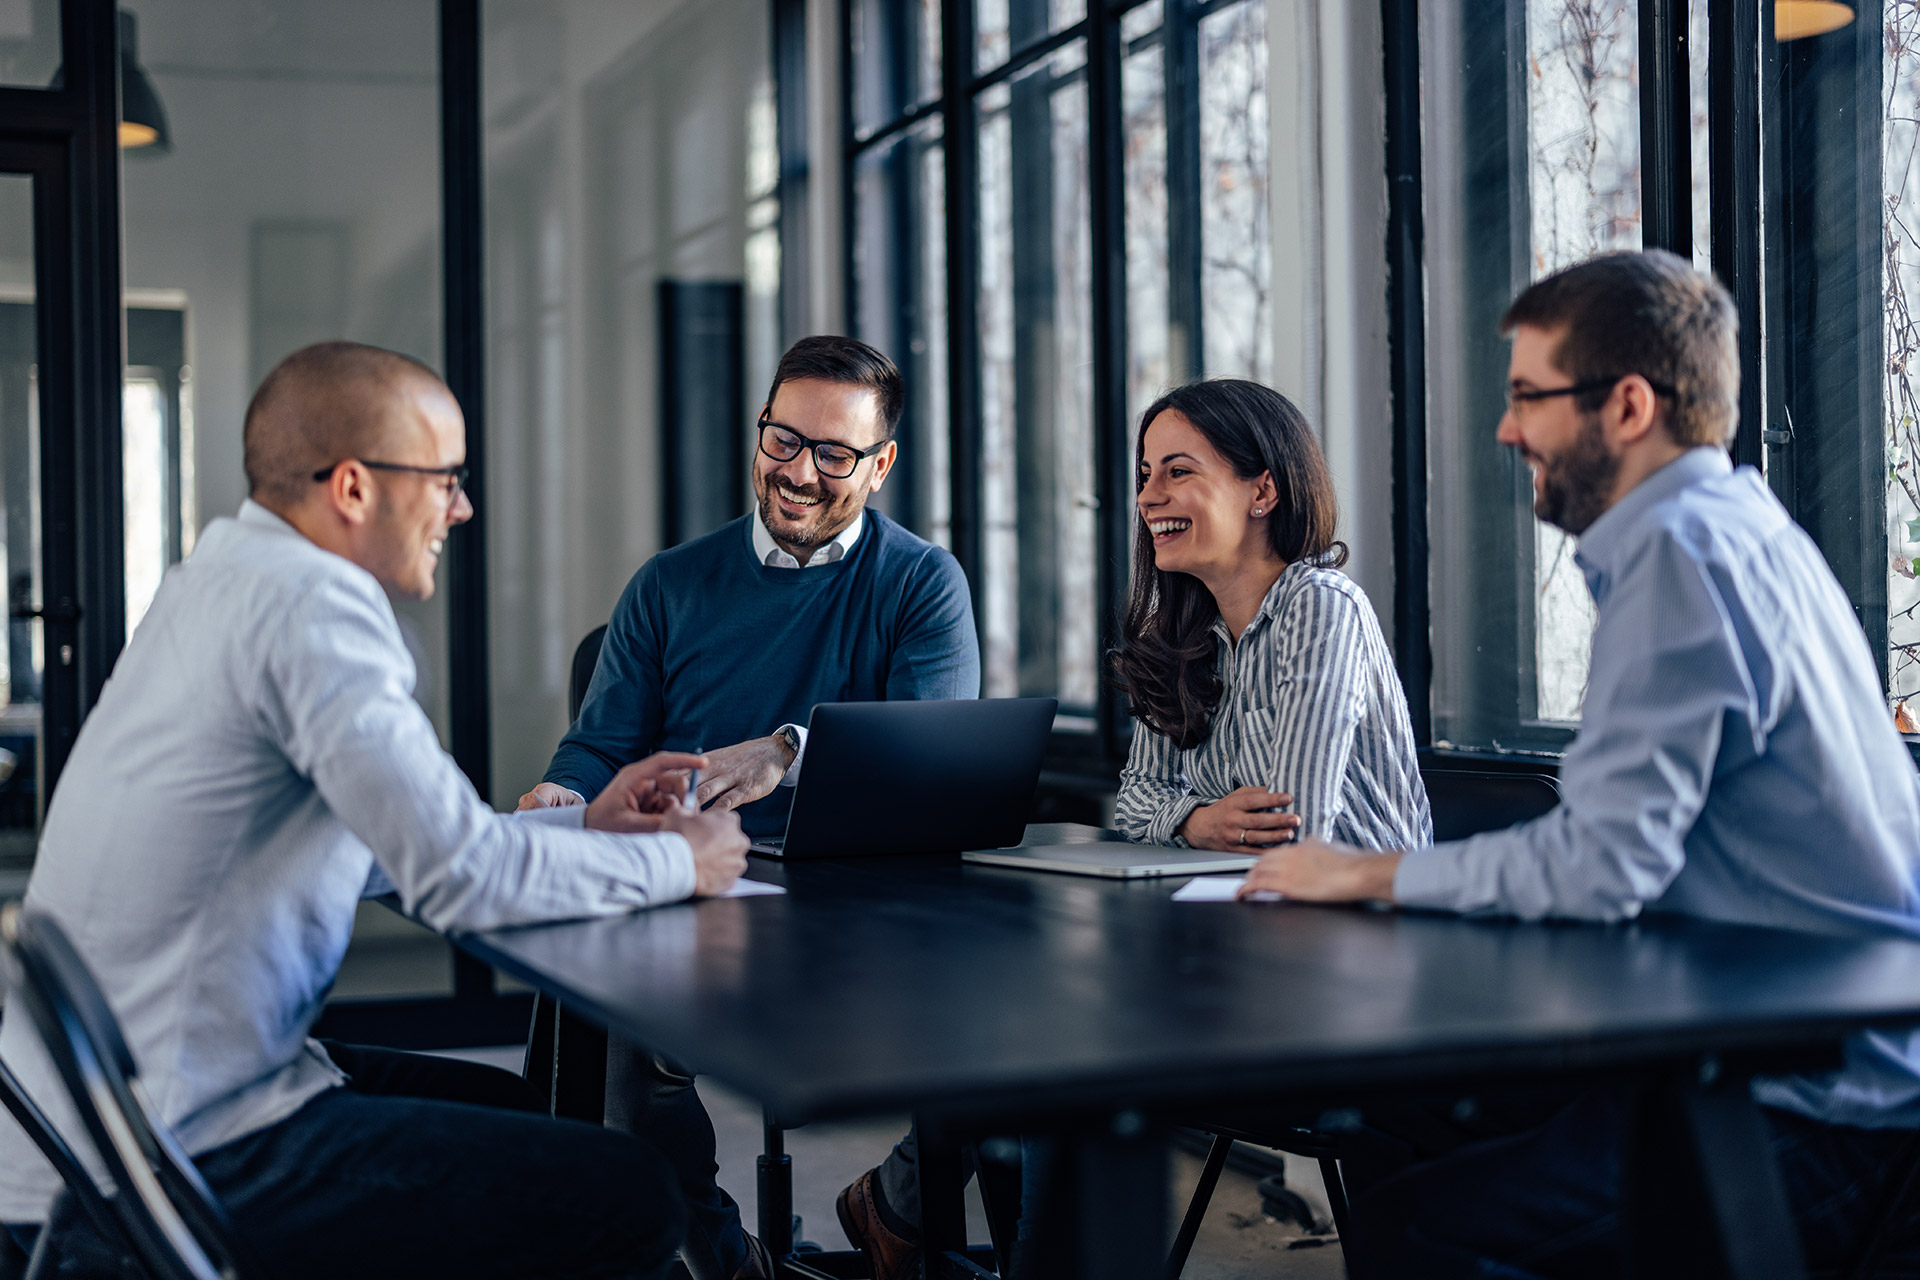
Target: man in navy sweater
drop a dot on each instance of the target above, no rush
(733, 637)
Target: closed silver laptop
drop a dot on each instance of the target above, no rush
(1078, 850)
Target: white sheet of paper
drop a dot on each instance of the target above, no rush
(752, 889)
(1218, 889)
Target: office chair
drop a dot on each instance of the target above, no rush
(80, 1189)
(586, 660)
(164, 1216)
(1464, 802)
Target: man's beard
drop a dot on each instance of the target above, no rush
(1576, 486)
(822, 528)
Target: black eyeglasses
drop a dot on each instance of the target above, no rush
(456, 477)
(835, 461)
(1515, 398)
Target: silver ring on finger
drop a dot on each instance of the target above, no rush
(1243, 835)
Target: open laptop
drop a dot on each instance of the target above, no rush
(1095, 851)
(915, 777)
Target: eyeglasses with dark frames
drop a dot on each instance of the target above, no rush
(835, 461)
(456, 476)
(1515, 398)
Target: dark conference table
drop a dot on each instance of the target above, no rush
(989, 1001)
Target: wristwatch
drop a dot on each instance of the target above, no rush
(791, 736)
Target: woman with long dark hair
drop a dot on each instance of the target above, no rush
(1256, 669)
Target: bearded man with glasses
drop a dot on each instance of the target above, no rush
(1736, 761)
(725, 643)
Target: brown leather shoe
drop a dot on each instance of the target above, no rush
(889, 1256)
(759, 1263)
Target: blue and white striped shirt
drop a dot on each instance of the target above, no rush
(1310, 705)
(1736, 759)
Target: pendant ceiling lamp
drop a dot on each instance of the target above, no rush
(1793, 19)
(143, 123)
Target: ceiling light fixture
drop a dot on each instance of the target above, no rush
(143, 123)
(1793, 19)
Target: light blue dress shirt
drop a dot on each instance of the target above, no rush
(1736, 759)
(255, 756)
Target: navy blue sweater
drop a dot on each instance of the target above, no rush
(709, 647)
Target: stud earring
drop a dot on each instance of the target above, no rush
(1258, 511)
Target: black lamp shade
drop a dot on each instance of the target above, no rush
(143, 123)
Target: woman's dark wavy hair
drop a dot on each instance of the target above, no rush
(1166, 660)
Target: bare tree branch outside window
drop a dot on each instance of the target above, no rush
(1583, 184)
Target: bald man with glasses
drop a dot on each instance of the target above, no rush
(254, 764)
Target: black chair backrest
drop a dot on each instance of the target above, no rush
(1468, 801)
(27, 1114)
(166, 1212)
(585, 658)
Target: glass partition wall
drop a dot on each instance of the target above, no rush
(23, 655)
(294, 199)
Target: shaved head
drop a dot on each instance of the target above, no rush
(321, 405)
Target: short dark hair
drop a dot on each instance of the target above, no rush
(1165, 661)
(322, 404)
(831, 358)
(1648, 313)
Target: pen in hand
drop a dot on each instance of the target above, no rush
(689, 801)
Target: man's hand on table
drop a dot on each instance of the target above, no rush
(742, 773)
(651, 795)
(549, 795)
(641, 794)
(1320, 871)
(719, 846)
(1242, 821)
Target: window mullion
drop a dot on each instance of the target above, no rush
(1407, 355)
(960, 139)
(1113, 461)
(1186, 342)
(1733, 80)
(1666, 188)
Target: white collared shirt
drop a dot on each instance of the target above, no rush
(255, 756)
(768, 552)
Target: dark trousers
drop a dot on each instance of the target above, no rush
(1544, 1201)
(429, 1166)
(654, 1098)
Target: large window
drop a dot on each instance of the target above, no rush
(1782, 158)
(1052, 221)
(1900, 168)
